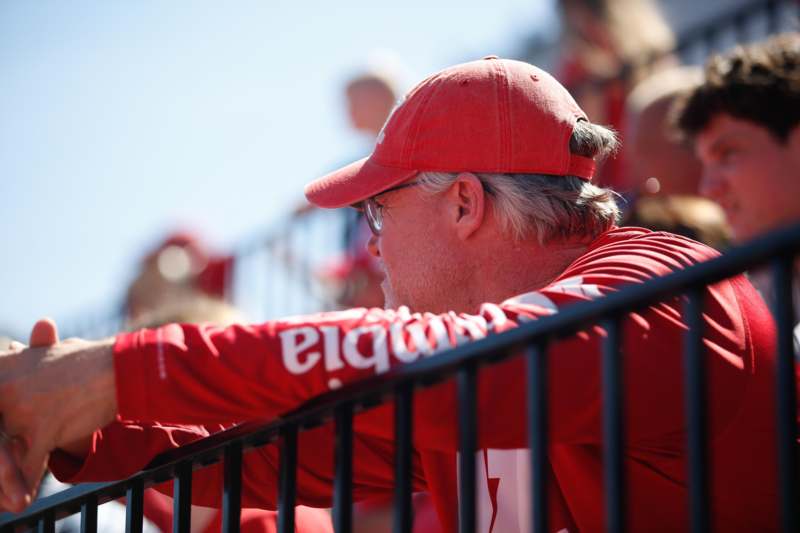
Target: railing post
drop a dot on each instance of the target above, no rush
(232, 489)
(786, 395)
(740, 27)
(773, 22)
(89, 514)
(134, 510)
(287, 484)
(467, 436)
(710, 40)
(343, 480)
(696, 417)
(403, 408)
(182, 498)
(47, 523)
(536, 359)
(613, 425)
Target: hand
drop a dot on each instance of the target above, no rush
(12, 449)
(51, 393)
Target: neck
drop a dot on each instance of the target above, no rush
(524, 267)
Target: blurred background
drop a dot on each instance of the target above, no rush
(152, 149)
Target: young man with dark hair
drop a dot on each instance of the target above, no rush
(744, 120)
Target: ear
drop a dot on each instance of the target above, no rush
(466, 204)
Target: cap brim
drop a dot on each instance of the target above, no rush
(355, 183)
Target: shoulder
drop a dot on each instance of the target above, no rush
(636, 254)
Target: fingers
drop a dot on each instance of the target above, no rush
(14, 494)
(33, 466)
(44, 333)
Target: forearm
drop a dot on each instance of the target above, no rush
(93, 402)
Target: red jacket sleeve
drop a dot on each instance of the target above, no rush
(203, 374)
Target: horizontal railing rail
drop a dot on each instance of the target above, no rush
(776, 249)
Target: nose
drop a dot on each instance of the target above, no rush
(712, 184)
(372, 246)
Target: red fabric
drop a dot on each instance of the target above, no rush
(214, 279)
(524, 116)
(201, 374)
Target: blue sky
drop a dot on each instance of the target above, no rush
(122, 120)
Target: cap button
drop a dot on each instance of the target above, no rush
(491, 57)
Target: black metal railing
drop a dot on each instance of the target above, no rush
(777, 249)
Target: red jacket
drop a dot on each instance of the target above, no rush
(183, 374)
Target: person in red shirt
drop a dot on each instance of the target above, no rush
(484, 217)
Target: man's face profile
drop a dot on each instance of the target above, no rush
(752, 174)
(412, 250)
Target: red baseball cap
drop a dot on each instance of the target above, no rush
(492, 115)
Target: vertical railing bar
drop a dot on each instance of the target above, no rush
(89, 514)
(288, 269)
(269, 281)
(613, 424)
(536, 355)
(467, 438)
(710, 39)
(304, 266)
(771, 9)
(229, 283)
(343, 477)
(287, 484)
(740, 28)
(786, 395)
(403, 407)
(696, 418)
(797, 11)
(134, 510)
(47, 523)
(232, 488)
(182, 498)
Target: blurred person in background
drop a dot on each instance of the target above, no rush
(370, 97)
(744, 121)
(664, 172)
(608, 46)
(180, 268)
(660, 162)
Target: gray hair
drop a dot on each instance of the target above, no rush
(554, 208)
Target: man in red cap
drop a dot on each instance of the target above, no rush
(483, 214)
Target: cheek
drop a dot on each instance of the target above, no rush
(753, 180)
